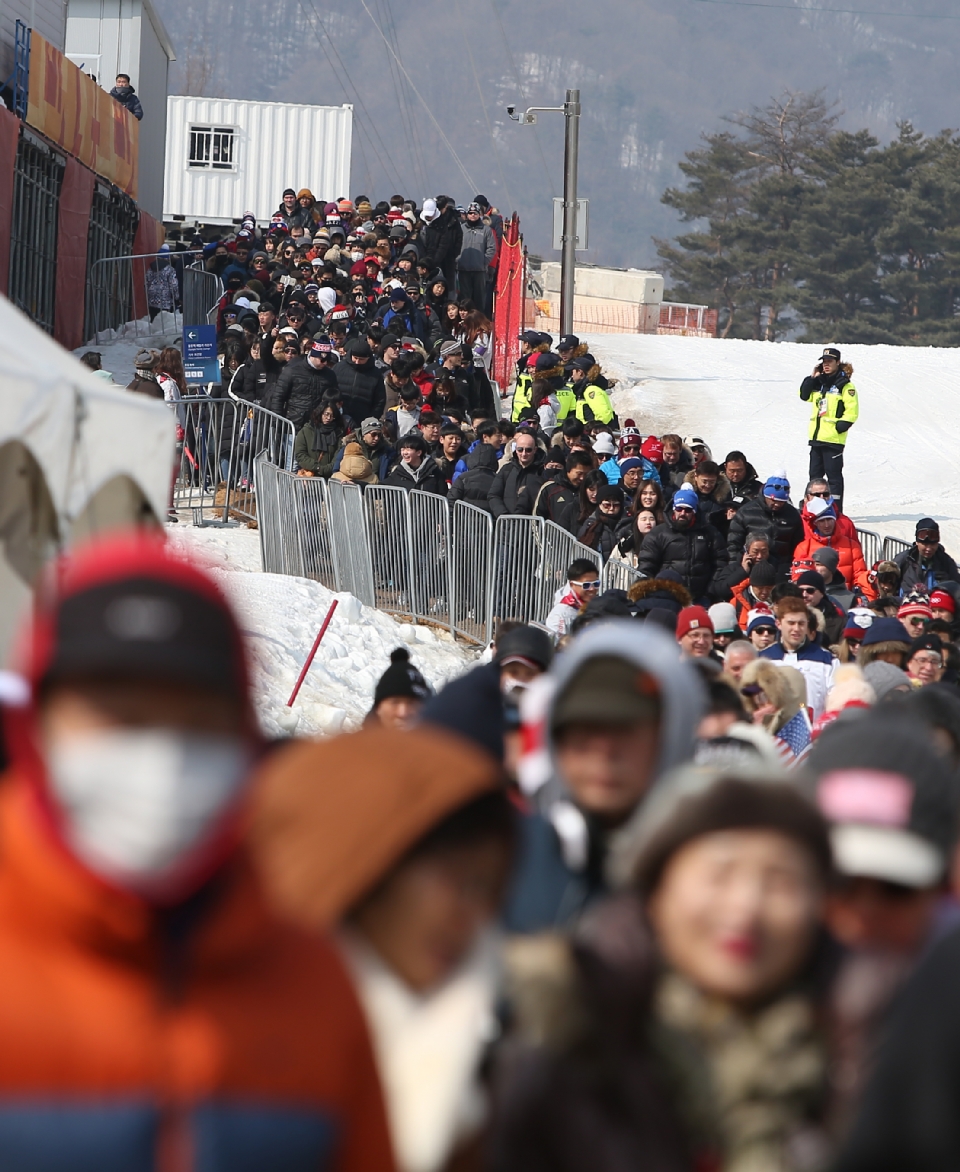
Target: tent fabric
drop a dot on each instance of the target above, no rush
(9, 140)
(73, 224)
(82, 433)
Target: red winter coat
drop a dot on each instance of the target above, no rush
(845, 541)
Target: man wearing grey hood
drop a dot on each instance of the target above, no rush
(624, 712)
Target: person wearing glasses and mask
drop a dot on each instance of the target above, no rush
(926, 563)
(583, 583)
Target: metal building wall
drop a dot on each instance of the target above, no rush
(48, 17)
(278, 146)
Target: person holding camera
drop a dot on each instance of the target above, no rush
(835, 408)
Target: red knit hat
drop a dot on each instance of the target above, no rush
(652, 450)
(691, 618)
(941, 600)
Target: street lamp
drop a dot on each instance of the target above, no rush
(571, 145)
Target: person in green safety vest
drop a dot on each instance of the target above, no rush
(533, 343)
(590, 388)
(835, 408)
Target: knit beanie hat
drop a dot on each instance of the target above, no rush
(916, 603)
(885, 630)
(629, 464)
(890, 798)
(724, 618)
(757, 619)
(812, 578)
(942, 600)
(401, 679)
(652, 450)
(695, 803)
(859, 621)
(884, 678)
(691, 618)
(686, 497)
(763, 574)
(827, 557)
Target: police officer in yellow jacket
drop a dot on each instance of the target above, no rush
(534, 343)
(835, 408)
(590, 388)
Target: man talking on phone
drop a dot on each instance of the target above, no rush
(835, 408)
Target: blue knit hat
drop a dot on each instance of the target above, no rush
(777, 487)
(886, 630)
(685, 497)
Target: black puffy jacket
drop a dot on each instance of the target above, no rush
(442, 241)
(427, 478)
(364, 396)
(300, 388)
(783, 530)
(599, 532)
(474, 485)
(514, 489)
(913, 572)
(697, 554)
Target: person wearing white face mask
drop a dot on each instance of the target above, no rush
(148, 995)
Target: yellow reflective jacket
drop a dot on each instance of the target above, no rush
(594, 406)
(567, 398)
(835, 405)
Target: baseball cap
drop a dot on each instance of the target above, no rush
(568, 342)
(890, 799)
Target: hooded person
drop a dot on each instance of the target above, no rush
(400, 843)
(665, 592)
(623, 711)
(126, 887)
(680, 1028)
(355, 467)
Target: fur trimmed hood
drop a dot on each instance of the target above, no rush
(652, 586)
(784, 687)
(723, 491)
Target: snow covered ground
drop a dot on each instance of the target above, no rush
(903, 455)
(280, 617)
(118, 348)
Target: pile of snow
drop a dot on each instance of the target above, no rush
(119, 347)
(280, 617)
(901, 462)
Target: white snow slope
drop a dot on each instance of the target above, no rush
(280, 618)
(903, 454)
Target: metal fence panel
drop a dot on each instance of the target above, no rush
(431, 553)
(892, 546)
(517, 561)
(307, 496)
(388, 529)
(348, 541)
(118, 297)
(618, 575)
(471, 551)
(872, 545)
(200, 293)
(206, 476)
(560, 548)
(37, 177)
(272, 526)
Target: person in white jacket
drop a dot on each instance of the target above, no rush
(796, 649)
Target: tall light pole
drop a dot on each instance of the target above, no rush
(571, 148)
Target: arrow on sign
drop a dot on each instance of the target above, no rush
(192, 335)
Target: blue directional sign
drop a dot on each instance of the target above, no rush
(200, 364)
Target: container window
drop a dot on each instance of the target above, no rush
(213, 147)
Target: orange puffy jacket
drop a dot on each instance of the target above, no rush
(212, 1037)
(845, 541)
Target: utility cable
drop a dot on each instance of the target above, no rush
(463, 171)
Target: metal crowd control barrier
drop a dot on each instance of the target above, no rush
(348, 543)
(517, 547)
(872, 545)
(618, 575)
(892, 546)
(387, 516)
(471, 549)
(430, 583)
(207, 453)
(118, 293)
(560, 548)
(199, 295)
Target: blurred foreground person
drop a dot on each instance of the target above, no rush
(624, 710)
(679, 1030)
(153, 1013)
(402, 841)
(891, 801)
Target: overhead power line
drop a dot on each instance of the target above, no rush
(838, 11)
(456, 158)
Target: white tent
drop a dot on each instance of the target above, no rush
(76, 457)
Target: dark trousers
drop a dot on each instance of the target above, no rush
(826, 463)
(473, 287)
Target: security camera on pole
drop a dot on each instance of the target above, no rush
(570, 239)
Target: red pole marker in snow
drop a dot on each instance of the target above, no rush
(313, 652)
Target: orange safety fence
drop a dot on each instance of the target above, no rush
(508, 309)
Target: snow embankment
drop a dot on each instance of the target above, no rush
(903, 454)
(280, 618)
(118, 348)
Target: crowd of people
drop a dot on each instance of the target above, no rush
(670, 883)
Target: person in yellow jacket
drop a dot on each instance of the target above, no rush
(835, 408)
(590, 388)
(534, 343)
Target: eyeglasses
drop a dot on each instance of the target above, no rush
(592, 585)
(932, 659)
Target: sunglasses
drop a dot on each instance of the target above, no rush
(825, 495)
(631, 448)
(593, 585)
(809, 590)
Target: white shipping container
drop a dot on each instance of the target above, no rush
(226, 157)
